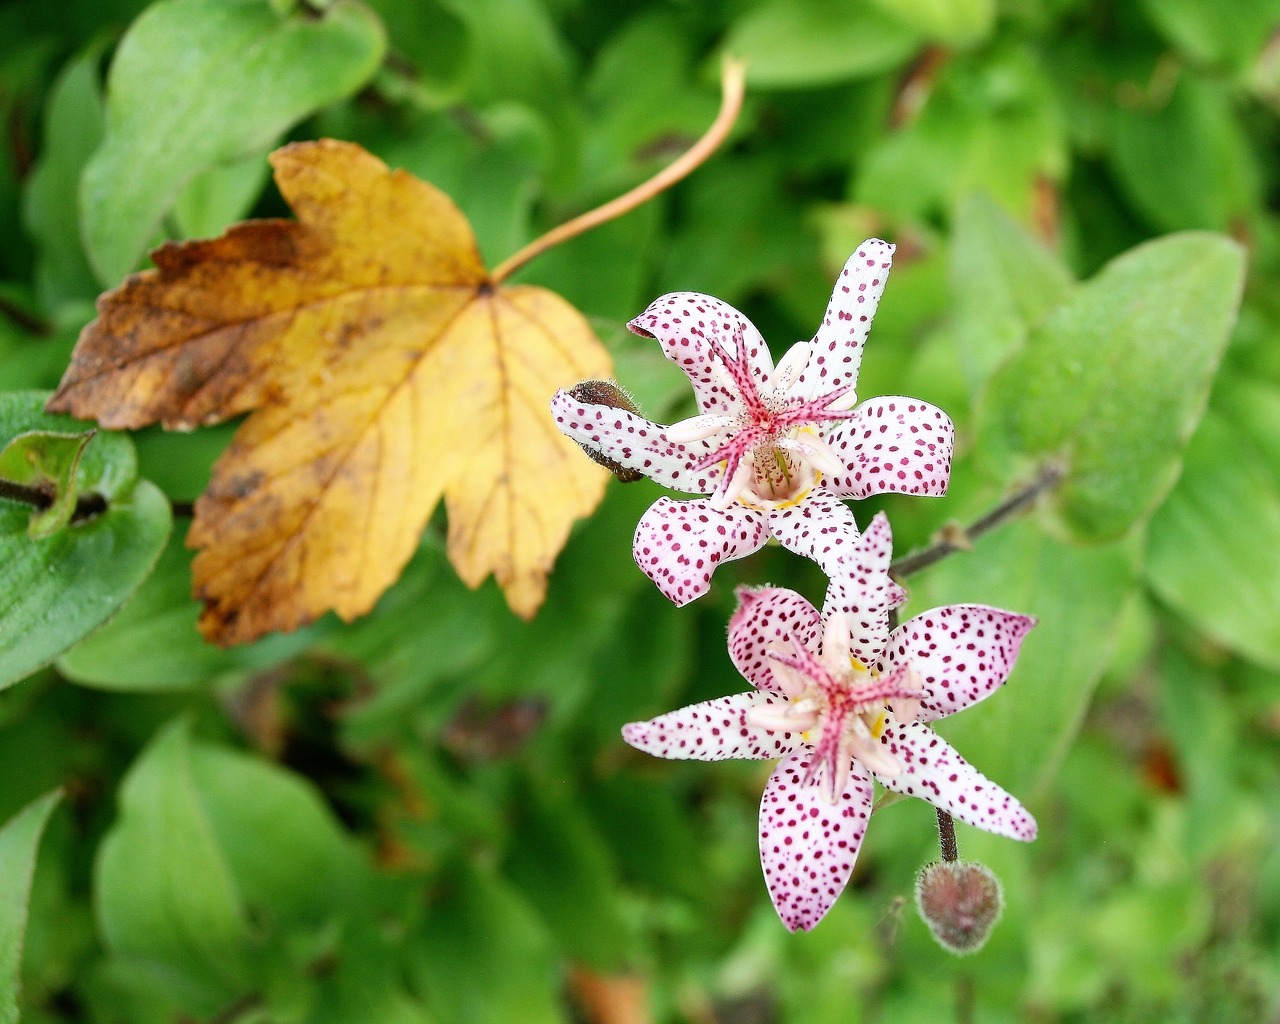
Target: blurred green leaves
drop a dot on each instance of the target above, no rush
(1112, 383)
(182, 66)
(19, 841)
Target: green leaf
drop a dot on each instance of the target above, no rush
(953, 22)
(218, 196)
(1210, 546)
(1186, 161)
(56, 590)
(233, 75)
(46, 460)
(1019, 735)
(1004, 282)
(1113, 382)
(1223, 33)
(19, 840)
(482, 957)
(72, 131)
(290, 859)
(163, 886)
(152, 644)
(798, 44)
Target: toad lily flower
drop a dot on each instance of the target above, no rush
(773, 449)
(837, 722)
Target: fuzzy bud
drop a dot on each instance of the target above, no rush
(960, 901)
(607, 393)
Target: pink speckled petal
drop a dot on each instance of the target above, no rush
(684, 323)
(821, 528)
(963, 653)
(765, 620)
(934, 771)
(892, 444)
(807, 845)
(862, 589)
(714, 730)
(838, 344)
(635, 443)
(678, 544)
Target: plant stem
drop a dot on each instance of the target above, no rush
(947, 836)
(733, 86)
(87, 505)
(961, 539)
(964, 999)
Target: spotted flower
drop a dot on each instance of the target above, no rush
(837, 721)
(773, 449)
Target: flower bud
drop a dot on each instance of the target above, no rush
(607, 393)
(960, 901)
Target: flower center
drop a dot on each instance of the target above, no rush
(838, 705)
(772, 452)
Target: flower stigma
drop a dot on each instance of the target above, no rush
(839, 706)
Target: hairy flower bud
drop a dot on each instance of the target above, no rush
(960, 901)
(607, 393)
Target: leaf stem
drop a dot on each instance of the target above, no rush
(733, 86)
(960, 539)
(87, 505)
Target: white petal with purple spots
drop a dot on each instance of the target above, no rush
(893, 444)
(766, 620)
(807, 845)
(687, 325)
(678, 544)
(819, 528)
(963, 653)
(714, 730)
(634, 443)
(935, 772)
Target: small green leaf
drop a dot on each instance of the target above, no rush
(206, 58)
(19, 841)
(1004, 282)
(163, 888)
(46, 460)
(1019, 735)
(1218, 531)
(798, 44)
(1113, 382)
(57, 589)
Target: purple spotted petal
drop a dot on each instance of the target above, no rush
(685, 324)
(862, 589)
(935, 772)
(678, 544)
(963, 653)
(819, 527)
(892, 444)
(807, 845)
(838, 343)
(634, 443)
(766, 619)
(714, 730)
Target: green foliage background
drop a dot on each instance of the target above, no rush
(428, 815)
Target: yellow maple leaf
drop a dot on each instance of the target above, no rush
(383, 369)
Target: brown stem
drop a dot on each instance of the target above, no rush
(947, 836)
(733, 86)
(965, 999)
(87, 505)
(961, 539)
